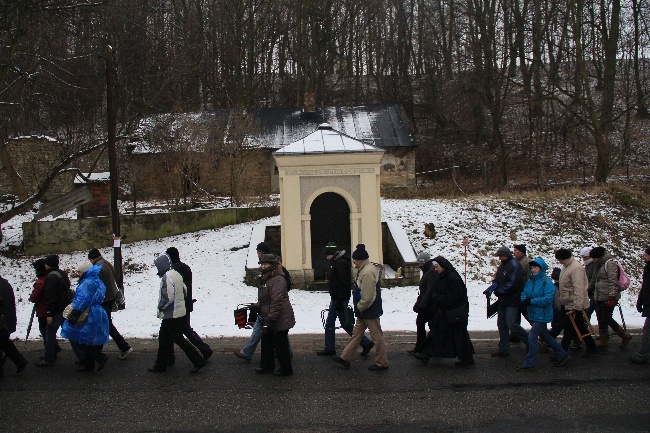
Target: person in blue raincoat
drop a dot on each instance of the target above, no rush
(538, 296)
(92, 333)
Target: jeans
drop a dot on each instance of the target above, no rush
(42, 327)
(255, 338)
(50, 338)
(330, 328)
(506, 321)
(538, 329)
(114, 333)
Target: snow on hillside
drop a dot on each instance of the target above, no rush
(218, 257)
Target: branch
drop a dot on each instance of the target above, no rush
(53, 173)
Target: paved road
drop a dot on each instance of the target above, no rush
(606, 394)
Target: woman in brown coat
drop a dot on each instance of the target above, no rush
(277, 318)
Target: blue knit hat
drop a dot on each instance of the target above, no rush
(360, 253)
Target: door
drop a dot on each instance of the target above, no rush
(330, 222)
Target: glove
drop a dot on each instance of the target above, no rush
(639, 307)
(612, 301)
(74, 316)
(416, 309)
(526, 301)
(487, 292)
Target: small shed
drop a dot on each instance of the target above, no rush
(99, 186)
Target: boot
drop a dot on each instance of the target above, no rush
(602, 339)
(625, 338)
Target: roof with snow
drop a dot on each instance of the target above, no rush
(380, 125)
(93, 177)
(326, 140)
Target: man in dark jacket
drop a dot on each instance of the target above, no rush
(339, 284)
(56, 289)
(510, 279)
(642, 356)
(423, 306)
(107, 275)
(192, 336)
(8, 325)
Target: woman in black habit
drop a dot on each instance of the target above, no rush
(449, 337)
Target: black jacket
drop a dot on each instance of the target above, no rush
(644, 294)
(7, 307)
(450, 293)
(186, 273)
(428, 284)
(340, 277)
(510, 277)
(56, 292)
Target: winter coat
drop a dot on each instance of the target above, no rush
(7, 307)
(450, 293)
(90, 293)
(510, 277)
(643, 301)
(427, 287)
(38, 297)
(273, 302)
(606, 279)
(590, 268)
(541, 292)
(525, 265)
(107, 275)
(56, 288)
(367, 300)
(186, 274)
(171, 297)
(340, 278)
(573, 286)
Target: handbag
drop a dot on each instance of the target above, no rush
(82, 317)
(457, 315)
(347, 317)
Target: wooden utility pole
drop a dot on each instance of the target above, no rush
(112, 168)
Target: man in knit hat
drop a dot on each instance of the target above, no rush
(367, 308)
(56, 287)
(424, 307)
(573, 287)
(509, 278)
(110, 304)
(339, 285)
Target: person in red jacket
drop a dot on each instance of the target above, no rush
(38, 298)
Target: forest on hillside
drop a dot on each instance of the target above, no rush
(528, 87)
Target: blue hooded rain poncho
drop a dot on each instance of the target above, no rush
(90, 293)
(541, 292)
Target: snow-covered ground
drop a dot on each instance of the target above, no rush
(218, 258)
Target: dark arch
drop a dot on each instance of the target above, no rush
(330, 222)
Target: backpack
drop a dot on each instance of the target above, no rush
(287, 278)
(623, 279)
(70, 293)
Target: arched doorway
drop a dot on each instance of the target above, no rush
(330, 222)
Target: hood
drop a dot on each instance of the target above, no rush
(163, 264)
(444, 263)
(541, 263)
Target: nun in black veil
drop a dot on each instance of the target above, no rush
(449, 337)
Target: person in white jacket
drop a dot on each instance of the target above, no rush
(171, 309)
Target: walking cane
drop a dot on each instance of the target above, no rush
(620, 310)
(29, 327)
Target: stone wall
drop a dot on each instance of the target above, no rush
(65, 236)
(167, 176)
(32, 158)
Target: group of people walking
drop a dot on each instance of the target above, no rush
(565, 299)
